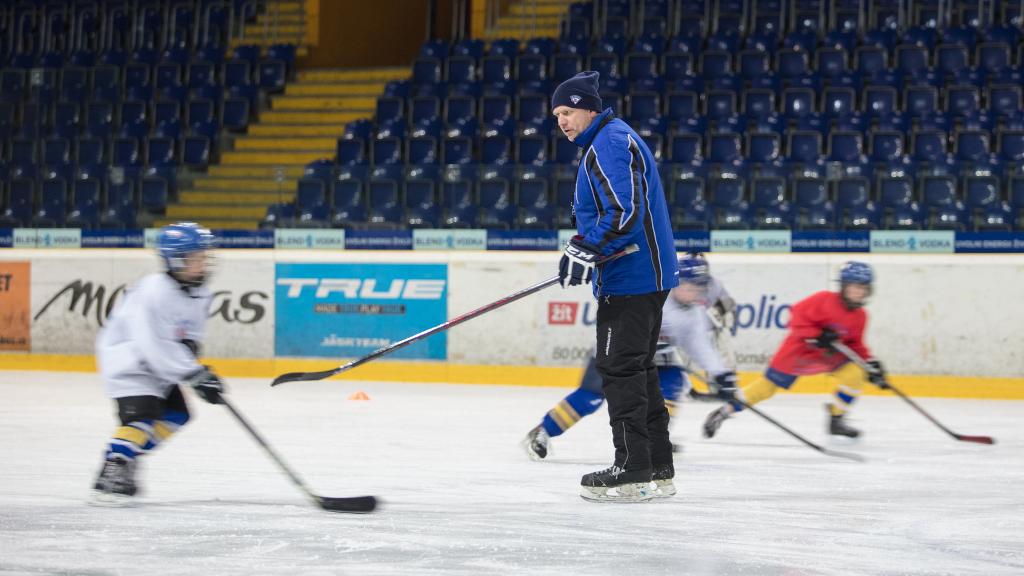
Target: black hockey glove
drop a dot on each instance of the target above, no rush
(876, 375)
(577, 262)
(825, 339)
(194, 347)
(725, 385)
(207, 385)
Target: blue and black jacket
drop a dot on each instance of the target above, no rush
(620, 201)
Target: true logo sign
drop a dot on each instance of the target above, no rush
(575, 98)
(365, 288)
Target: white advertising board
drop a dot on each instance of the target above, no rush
(73, 293)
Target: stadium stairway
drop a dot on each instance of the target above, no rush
(263, 165)
(530, 19)
(282, 23)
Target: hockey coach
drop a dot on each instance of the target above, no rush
(619, 201)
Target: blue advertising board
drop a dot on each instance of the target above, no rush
(348, 310)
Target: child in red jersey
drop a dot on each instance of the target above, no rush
(817, 322)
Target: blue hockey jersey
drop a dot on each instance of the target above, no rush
(619, 201)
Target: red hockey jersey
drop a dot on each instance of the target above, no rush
(811, 315)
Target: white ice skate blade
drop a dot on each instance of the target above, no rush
(637, 492)
(108, 500)
(664, 489)
(840, 440)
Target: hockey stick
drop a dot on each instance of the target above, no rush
(784, 428)
(299, 376)
(856, 359)
(355, 504)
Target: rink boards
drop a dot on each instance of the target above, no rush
(946, 325)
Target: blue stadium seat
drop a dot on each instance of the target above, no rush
(496, 75)
(279, 215)
(798, 103)
(993, 57)
(196, 151)
(271, 75)
(424, 110)
(437, 49)
(963, 34)
(422, 208)
(565, 151)
(74, 82)
(118, 211)
(99, 118)
(458, 198)
(831, 62)
(237, 73)
(920, 101)
(764, 152)
(682, 106)
(311, 207)
(495, 150)
(154, 197)
(853, 206)
(529, 150)
(565, 66)
(535, 208)
(384, 207)
(53, 204)
(804, 151)
(1010, 144)
(792, 64)
(200, 111)
(753, 64)
(715, 64)
(461, 69)
(531, 70)
(235, 112)
(350, 151)
(912, 60)
(422, 150)
(161, 151)
(532, 109)
(900, 211)
(200, 74)
(56, 151)
(85, 204)
(942, 209)
(20, 204)
(921, 35)
(677, 65)
(641, 66)
(951, 60)
(973, 150)
(759, 108)
(871, 61)
(497, 209)
(387, 150)
(770, 210)
(984, 208)
(125, 152)
(540, 46)
(962, 101)
(838, 102)
(390, 110)
(348, 205)
(720, 106)
(1004, 100)
(811, 209)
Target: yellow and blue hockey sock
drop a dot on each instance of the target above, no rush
(138, 437)
(570, 410)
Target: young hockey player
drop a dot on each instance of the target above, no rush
(817, 322)
(684, 325)
(149, 345)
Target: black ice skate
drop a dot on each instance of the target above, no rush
(662, 478)
(714, 421)
(536, 443)
(115, 485)
(617, 485)
(837, 425)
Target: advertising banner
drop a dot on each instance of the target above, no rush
(352, 309)
(15, 313)
(309, 239)
(71, 302)
(933, 241)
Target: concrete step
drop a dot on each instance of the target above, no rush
(355, 103)
(526, 9)
(274, 157)
(285, 143)
(335, 89)
(243, 170)
(335, 130)
(204, 212)
(311, 117)
(280, 28)
(217, 223)
(354, 74)
(244, 184)
(205, 197)
(274, 8)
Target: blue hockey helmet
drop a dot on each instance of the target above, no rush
(854, 272)
(693, 270)
(177, 241)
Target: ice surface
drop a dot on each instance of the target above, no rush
(460, 497)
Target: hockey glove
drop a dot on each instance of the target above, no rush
(825, 339)
(207, 385)
(724, 385)
(577, 264)
(876, 375)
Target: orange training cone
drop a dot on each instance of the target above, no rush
(359, 395)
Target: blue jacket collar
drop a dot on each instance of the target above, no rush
(587, 136)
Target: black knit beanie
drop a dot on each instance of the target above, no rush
(580, 91)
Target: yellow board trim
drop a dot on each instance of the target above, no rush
(568, 377)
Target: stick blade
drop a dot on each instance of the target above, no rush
(302, 376)
(847, 455)
(976, 439)
(353, 505)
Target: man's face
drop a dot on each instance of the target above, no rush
(572, 121)
(688, 294)
(198, 265)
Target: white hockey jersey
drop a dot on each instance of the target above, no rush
(139, 350)
(687, 328)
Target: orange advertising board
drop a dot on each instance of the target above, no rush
(15, 306)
